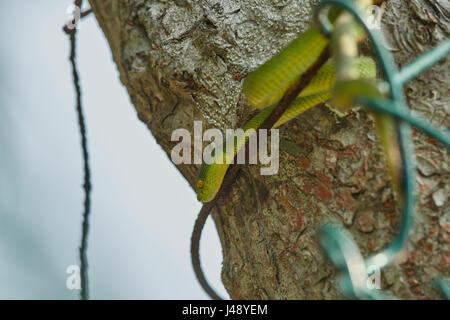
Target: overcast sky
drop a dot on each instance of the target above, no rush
(142, 208)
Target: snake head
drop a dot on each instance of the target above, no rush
(204, 193)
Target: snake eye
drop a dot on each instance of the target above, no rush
(199, 184)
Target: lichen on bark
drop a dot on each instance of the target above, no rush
(185, 60)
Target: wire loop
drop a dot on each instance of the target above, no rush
(337, 242)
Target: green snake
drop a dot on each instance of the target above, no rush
(265, 86)
(275, 88)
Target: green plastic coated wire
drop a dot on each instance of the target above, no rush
(444, 285)
(423, 62)
(384, 105)
(337, 242)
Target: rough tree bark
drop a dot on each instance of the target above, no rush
(184, 60)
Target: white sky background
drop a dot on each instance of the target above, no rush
(142, 208)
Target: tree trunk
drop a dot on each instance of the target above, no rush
(185, 60)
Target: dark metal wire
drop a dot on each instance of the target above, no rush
(71, 32)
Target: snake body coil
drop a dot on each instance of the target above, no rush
(273, 84)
